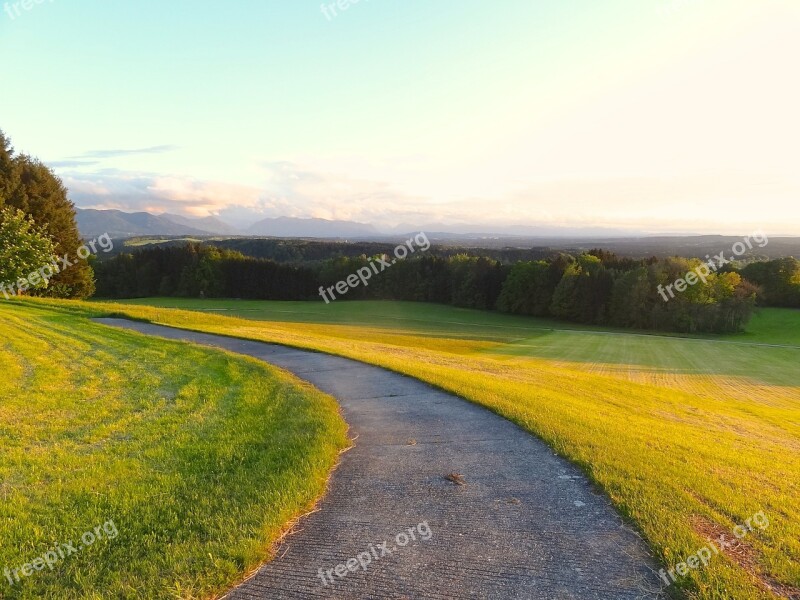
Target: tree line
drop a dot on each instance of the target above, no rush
(301, 251)
(596, 287)
(195, 270)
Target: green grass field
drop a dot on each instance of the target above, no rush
(768, 326)
(687, 436)
(198, 458)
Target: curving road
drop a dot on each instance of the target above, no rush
(519, 522)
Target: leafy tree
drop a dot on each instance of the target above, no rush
(738, 309)
(527, 289)
(632, 300)
(565, 304)
(476, 282)
(778, 280)
(30, 186)
(434, 273)
(26, 254)
(583, 293)
(8, 168)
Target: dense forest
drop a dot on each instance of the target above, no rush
(596, 287)
(306, 251)
(503, 248)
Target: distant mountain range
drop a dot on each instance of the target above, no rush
(211, 225)
(119, 224)
(313, 228)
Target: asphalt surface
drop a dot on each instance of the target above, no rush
(519, 522)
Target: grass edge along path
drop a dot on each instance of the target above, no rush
(201, 458)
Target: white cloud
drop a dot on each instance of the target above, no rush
(130, 152)
(155, 193)
(705, 203)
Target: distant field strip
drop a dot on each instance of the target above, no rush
(512, 327)
(199, 457)
(685, 436)
(769, 327)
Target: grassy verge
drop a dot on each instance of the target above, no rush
(688, 437)
(199, 459)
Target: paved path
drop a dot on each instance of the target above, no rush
(526, 524)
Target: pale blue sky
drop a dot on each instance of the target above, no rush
(657, 115)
